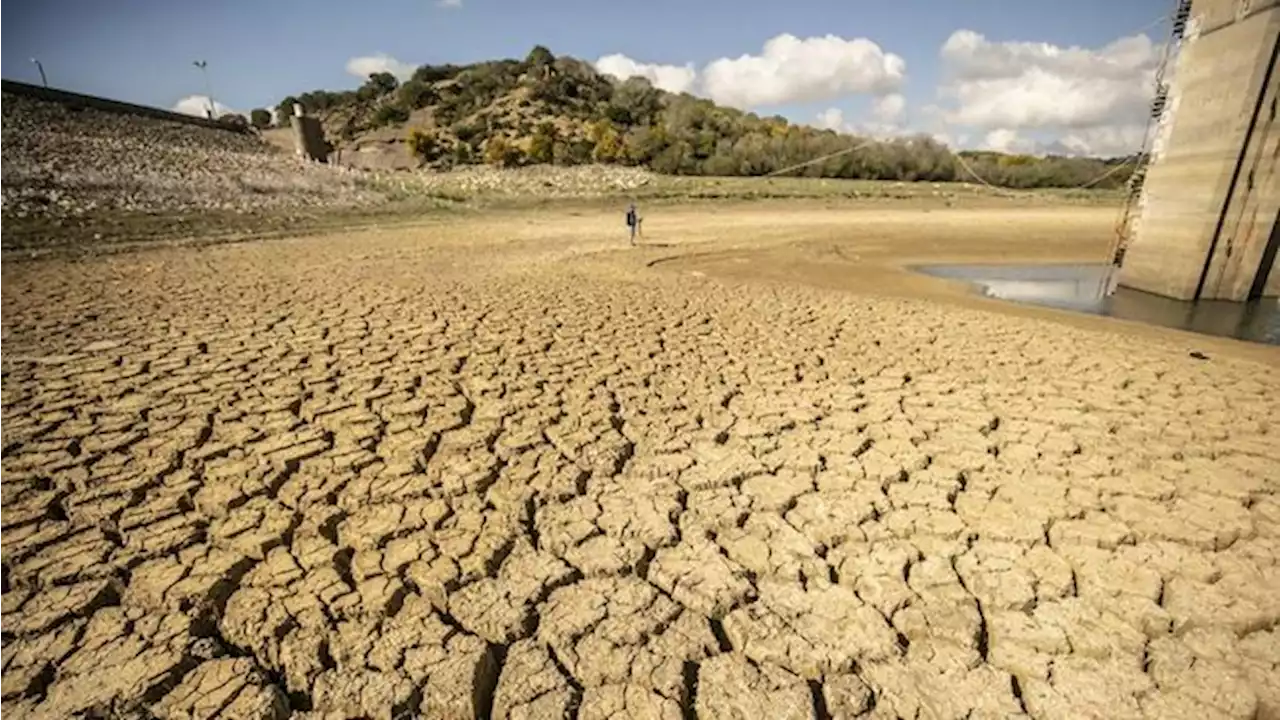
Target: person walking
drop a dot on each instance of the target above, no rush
(633, 222)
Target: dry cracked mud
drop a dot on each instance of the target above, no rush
(507, 471)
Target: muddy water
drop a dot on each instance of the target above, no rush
(1084, 288)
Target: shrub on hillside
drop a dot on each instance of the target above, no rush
(575, 151)
(284, 111)
(539, 56)
(234, 120)
(416, 94)
(467, 131)
(425, 145)
(607, 143)
(429, 74)
(378, 84)
(500, 152)
(542, 144)
(260, 118)
(389, 115)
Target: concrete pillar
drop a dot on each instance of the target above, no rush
(308, 136)
(1206, 222)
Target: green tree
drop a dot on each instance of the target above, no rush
(572, 152)
(608, 144)
(467, 131)
(416, 94)
(378, 84)
(284, 111)
(539, 56)
(429, 74)
(234, 120)
(425, 145)
(260, 118)
(500, 152)
(721, 165)
(542, 144)
(635, 102)
(390, 115)
(642, 144)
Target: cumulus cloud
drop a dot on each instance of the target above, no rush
(363, 67)
(889, 109)
(790, 69)
(672, 78)
(787, 70)
(831, 119)
(1006, 140)
(1097, 99)
(884, 122)
(198, 105)
(950, 140)
(1106, 141)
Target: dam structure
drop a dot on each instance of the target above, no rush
(1205, 219)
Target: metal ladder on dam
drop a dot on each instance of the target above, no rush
(1156, 121)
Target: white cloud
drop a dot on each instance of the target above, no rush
(672, 78)
(889, 109)
(1095, 100)
(1106, 141)
(449, 3)
(831, 119)
(952, 141)
(877, 127)
(1006, 140)
(363, 67)
(790, 69)
(198, 105)
(1023, 97)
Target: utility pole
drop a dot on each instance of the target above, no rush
(208, 88)
(43, 80)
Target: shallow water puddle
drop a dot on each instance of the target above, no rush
(1084, 288)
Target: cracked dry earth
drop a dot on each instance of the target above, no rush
(427, 474)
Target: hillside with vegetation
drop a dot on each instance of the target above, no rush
(560, 110)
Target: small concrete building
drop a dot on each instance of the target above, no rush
(308, 136)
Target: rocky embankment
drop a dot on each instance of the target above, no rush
(65, 163)
(546, 181)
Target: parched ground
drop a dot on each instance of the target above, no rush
(510, 468)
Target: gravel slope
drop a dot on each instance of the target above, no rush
(66, 163)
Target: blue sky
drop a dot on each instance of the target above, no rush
(258, 52)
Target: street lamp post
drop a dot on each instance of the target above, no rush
(208, 88)
(43, 80)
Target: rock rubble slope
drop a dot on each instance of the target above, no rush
(391, 476)
(62, 163)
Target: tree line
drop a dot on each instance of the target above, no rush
(545, 109)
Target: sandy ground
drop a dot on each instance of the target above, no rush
(511, 468)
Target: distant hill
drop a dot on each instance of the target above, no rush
(545, 109)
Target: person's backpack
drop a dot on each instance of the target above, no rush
(631, 218)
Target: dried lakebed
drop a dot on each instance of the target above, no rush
(438, 475)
